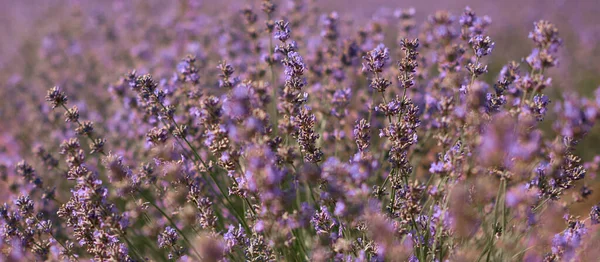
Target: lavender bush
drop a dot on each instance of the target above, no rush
(288, 134)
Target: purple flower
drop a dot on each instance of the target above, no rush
(376, 59)
(168, 237)
(566, 243)
(595, 215)
(235, 236)
(282, 32)
(481, 45)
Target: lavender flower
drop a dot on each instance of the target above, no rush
(595, 215)
(305, 124)
(482, 45)
(168, 237)
(376, 59)
(362, 134)
(564, 244)
(239, 151)
(56, 97)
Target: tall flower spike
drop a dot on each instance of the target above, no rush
(481, 45)
(56, 97)
(595, 215)
(226, 81)
(283, 30)
(362, 134)
(307, 138)
(376, 59)
(408, 65)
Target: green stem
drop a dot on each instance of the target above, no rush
(131, 246)
(491, 238)
(211, 174)
(172, 223)
(273, 84)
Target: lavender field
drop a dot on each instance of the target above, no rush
(299, 130)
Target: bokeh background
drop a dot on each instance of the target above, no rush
(84, 46)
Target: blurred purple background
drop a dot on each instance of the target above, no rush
(86, 45)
